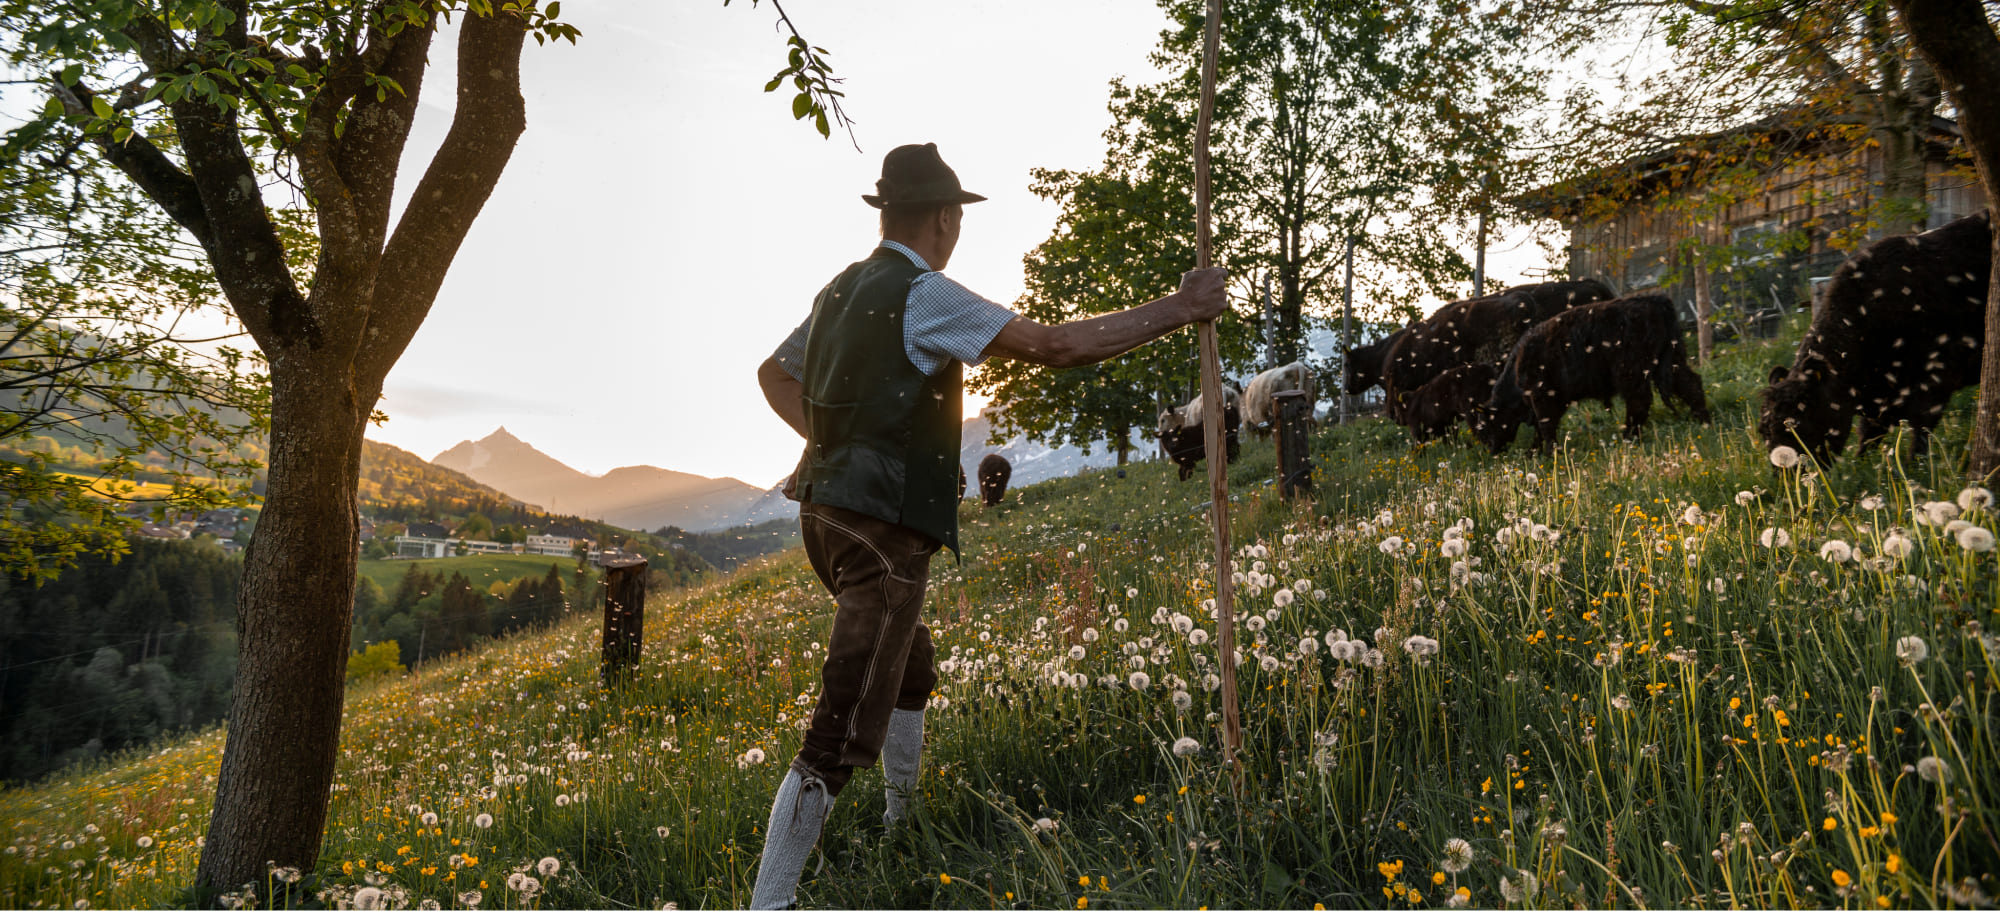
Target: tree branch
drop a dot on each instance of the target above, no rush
(490, 118)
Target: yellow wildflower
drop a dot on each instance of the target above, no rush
(1841, 879)
(1437, 879)
(944, 879)
(1828, 824)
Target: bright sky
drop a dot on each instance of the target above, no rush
(664, 223)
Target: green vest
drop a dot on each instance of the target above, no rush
(882, 438)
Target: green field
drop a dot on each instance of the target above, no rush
(1651, 674)
(483, 569)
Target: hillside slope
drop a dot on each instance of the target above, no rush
(1527, 681)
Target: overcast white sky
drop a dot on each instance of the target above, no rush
(664, 223)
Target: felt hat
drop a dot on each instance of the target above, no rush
(914, 175)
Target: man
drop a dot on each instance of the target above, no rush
(872, 381)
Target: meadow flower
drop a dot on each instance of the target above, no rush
(428, 819)
(1745, 498)
(1871, 502)
(1933, 770)
(1090, 634)
(1457, 856)
(1282, 597)
(1186, 746)
(1198, 637)
(368, 898)
(755, 756)
(1897, 545)
(1459, 898)
(1121, 625)
(1183, 624)
(1975, 539)
(1912, 650)
(1183, 701)
(1308, 646)
(1138, 680)
(1973, 498)
(1692, 516)
(1210, 682)
(470, 899)
(1076, 653)
(1621, 702)
(1774, 538)
(483, 821)
(562, 800)
(1452, 548)
(1045, 826)
(1373, 658)
(1522, 889)
(1269, 663)
(1391, 545)
(1784, 456)
(144, 841)
(1836, 551)
(1936, 512)
(1254, 623)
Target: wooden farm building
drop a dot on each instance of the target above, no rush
(1775, 207)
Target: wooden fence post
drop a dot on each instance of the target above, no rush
(624, 615)
(1294, 451)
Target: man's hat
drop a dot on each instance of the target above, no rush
(914, 175)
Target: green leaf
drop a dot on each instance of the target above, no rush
(71, 73)
(776, 81)
(802, 104)
(101, 108)
(121, 134)
(825, 129)
(555, 9)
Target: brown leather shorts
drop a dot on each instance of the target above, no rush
(879, 656)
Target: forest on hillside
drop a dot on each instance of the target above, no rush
(112, 654)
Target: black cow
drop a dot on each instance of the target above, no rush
(994, 472)
(1364, 363)
(1902, 328)
(1475, 331)
(1181, 431)
(1456, 394)
(1625, 348)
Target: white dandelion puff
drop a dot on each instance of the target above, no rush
(1457, 856)
(1912, 650)
(1784, 456)
(1975, 539)
(1186, 746)
(483, 821)
(1973, 498)
(1774, 538)
(1836, 551)
(1933, 770)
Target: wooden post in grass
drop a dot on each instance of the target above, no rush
(1211, 396)
(624, 615)
(1294, 452)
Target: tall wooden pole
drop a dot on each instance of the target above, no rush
(1212, 411)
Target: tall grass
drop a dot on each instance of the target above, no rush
(1588, 667)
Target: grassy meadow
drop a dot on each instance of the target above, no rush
(1653, 674)
(488, 572)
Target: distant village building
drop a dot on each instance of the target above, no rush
(1788, 228)
(551, 545)
(415, 547)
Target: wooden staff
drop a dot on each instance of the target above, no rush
(1212, 412)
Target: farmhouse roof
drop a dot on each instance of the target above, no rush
(1670, 165)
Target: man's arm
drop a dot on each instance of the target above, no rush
(1202, 296)
(784, 392)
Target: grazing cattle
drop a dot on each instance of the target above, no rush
(1626, 348)
(1364, 364)
(1260, 403)
(994, 471)
(1458, 393)
(1481, 330)
(1902, 329)
(1181, 431)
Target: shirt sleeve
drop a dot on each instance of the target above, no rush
(946, 321)
(791, 353)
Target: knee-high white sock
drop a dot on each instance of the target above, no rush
(902, 757)
(797, 813)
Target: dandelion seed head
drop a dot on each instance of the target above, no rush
(1186, 746)
(483, 821)
(1912, 650)
(1784, 456)
(1933, 770)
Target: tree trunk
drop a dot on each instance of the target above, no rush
(298, 574)
(1959, 43)
(1704, 311)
